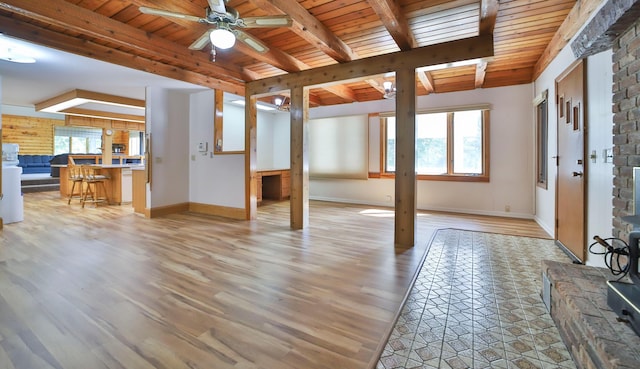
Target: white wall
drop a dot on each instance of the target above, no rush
(29, 111)
(273, 140)
(599, 118)
(233, 131)
(213, 179)
(167, 119)
(511, 166)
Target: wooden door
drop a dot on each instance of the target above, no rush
(570, 188)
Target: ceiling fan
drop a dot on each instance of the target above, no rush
(227, 26)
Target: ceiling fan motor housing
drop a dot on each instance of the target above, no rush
(231, 16)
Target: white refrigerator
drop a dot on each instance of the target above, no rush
(11, 204)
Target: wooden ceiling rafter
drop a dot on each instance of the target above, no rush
(488, 15)
(426, 79)
(75, 45)
(324, 32)
(578, 16)
(86, 22)
(310, 28)
(466, 49)
(481, 71)
(395, 22)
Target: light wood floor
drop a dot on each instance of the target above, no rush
(106, 288)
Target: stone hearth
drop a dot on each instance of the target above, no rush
(591, 330)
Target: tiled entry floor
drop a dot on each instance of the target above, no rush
(476, 304)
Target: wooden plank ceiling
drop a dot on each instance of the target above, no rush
(323, 32)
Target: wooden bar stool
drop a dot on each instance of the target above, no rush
(75, 176)
(93, 181)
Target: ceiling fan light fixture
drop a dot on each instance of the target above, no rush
(389, 89)
(281, 103)
(222, 38)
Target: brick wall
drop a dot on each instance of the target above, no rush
(626, 119)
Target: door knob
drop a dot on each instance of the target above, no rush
(577, 174)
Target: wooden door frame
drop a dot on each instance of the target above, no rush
(585, 131)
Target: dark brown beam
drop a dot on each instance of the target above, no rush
(488, 14)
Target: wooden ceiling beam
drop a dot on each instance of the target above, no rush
(342, 91)
(481, 71)
(64, 14)
(79, 46)
(376, 83)
(426, 79)
(488, 14)
(578, 16)
(447, 52)
(310, 28)
(395, 22)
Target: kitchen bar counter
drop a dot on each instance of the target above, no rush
(118, 186)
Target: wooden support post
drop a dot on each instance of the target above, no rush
(218, 105)
(107, 146)
(250, 157)
(405, 182)
(299, 201)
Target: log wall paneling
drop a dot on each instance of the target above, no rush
(34, 135)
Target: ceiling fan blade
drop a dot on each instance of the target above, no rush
(217, 6)
(251, 41)
(202, 41)
(165, 13)
(268, 21)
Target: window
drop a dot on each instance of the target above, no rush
(542, 139)
(338, 147)
(136, 143)
(450, 145)
(77, 140)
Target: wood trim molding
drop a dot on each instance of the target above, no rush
(166, 210)
(208, 209)
(218, 121)
(222, 211)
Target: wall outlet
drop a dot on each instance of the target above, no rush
(507, 208)
(389, 198)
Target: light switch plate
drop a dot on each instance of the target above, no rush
(608, 155)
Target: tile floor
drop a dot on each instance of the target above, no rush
(476, 304)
